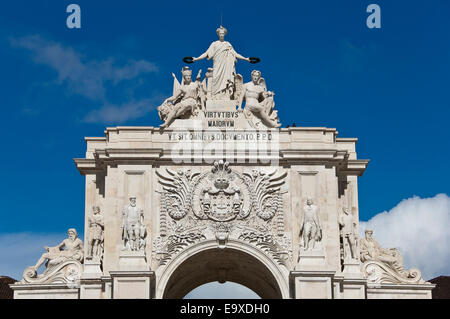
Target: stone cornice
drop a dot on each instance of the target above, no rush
(321, 147)
(353, 167)
(328, 157)
(87, 166)
(129, 153)
(346, 140)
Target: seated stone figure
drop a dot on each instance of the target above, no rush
(56, 255)
(259, 101)
(385, 265)
(63, 263)
(187, 99)
(371, 250)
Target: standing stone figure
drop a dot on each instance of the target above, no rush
(259, 101)
(69, 249)
(348, 233)
(133, 230)
(310, 229)
(372, 251)
(224, 59)
(95, 234)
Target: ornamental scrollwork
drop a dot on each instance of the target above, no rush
(219, 204)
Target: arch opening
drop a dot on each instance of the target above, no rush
(227, 290)
(222, 265)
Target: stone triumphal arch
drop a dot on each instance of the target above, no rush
(221, 192)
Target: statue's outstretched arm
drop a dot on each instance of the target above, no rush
(60, 246)
(174, 97)
(240, 57)
(201, 57)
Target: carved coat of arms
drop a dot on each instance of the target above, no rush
(221, 202)
(221, 195)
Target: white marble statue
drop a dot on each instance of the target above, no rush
(224, 59)
(95, 234)
(62, 262)
(310, 229)
(382, 265)
(372, 251)
(187, 99)
(134, 231)
(69, 248)
(258, 101)
(348, 233)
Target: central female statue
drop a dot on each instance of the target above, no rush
(224, 59)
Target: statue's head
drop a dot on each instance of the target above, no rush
(309, 201)
(133, 201)
(368, 233)
(221, 33)
(96, 209)
(187, 74)
(256, 75)
(72, 233)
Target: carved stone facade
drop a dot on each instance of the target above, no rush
(218, 204)
(220, 193)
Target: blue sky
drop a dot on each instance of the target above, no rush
(388, 87)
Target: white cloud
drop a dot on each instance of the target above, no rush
(89, 78)
(20, 250)
(86, 78)
(122, 113)
(420, 229)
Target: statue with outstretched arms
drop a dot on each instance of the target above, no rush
(224, 59)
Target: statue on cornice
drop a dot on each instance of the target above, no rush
(62, 262)
(224, 59)
(371, 250)
(69, 248)
(259, 102)
(187, 99)
(385, 265)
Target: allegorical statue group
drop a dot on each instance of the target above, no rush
(221, 83)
